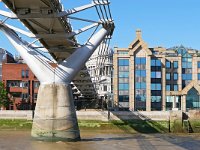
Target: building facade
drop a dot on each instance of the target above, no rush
(4, 56)
(161, 79)
(100, 66)
(21, 84)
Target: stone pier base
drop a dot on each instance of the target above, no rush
(55, 115)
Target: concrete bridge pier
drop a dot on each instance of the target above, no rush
(55, 116)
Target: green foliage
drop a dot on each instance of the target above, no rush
(195, 125)
(177, 127)
(4, 99)
(16, 124)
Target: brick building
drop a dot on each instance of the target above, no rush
(19, 81)
(4, 56)
(21, 84)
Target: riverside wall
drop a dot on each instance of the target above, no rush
(112, 115)
(99, 115)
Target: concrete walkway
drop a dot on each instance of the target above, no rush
(21, 140)
(147, 142)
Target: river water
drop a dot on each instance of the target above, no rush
(21, 140)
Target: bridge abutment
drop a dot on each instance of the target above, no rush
(55, 115)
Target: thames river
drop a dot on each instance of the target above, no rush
(21, 140)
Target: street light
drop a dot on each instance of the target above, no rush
(32, 102)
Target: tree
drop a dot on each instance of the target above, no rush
(4, 99)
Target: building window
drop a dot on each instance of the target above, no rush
(140, 60)
(187, 76)
(168, 64)
(140, 84)
(175, 76)
(123, 83)
(140, 73)
(169, 102)
(183, 76)
(168, 87)
(123, 62)
(124, 92)
(198, 76)
(155, 62)
(105, 88)
(175, 64)
(156, 103)
(155, 86)
(35, 95)
(123, 98)
(192, 99)
(122, 52)
(156, 74)
(123, 86)
(36, 84)
(24, 96)
(175, 87)
(123, 74)
(186, 68)
(27, 73)
(123, 68)
(123, 80)
(198, 64)
(16, 94)
(23, 73)
(168, 76)
(24, 84)
(13, 83)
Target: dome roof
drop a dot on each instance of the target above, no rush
(102, 49)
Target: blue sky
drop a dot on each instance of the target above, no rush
(164, 23)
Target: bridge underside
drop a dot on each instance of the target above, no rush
(52, 32)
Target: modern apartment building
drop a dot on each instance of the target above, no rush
(149, 79)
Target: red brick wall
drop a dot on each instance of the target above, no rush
(12, 71)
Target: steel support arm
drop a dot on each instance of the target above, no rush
(74, 63)
(8, 14)
(29, 34)
(40, 67)
(75, 10)
(52, 36)
(66, 35)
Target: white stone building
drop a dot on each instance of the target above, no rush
(100, 69)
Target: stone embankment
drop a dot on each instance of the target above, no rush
(173, 121)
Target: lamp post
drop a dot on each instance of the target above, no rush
(31, 105)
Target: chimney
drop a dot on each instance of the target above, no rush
(138, 33)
